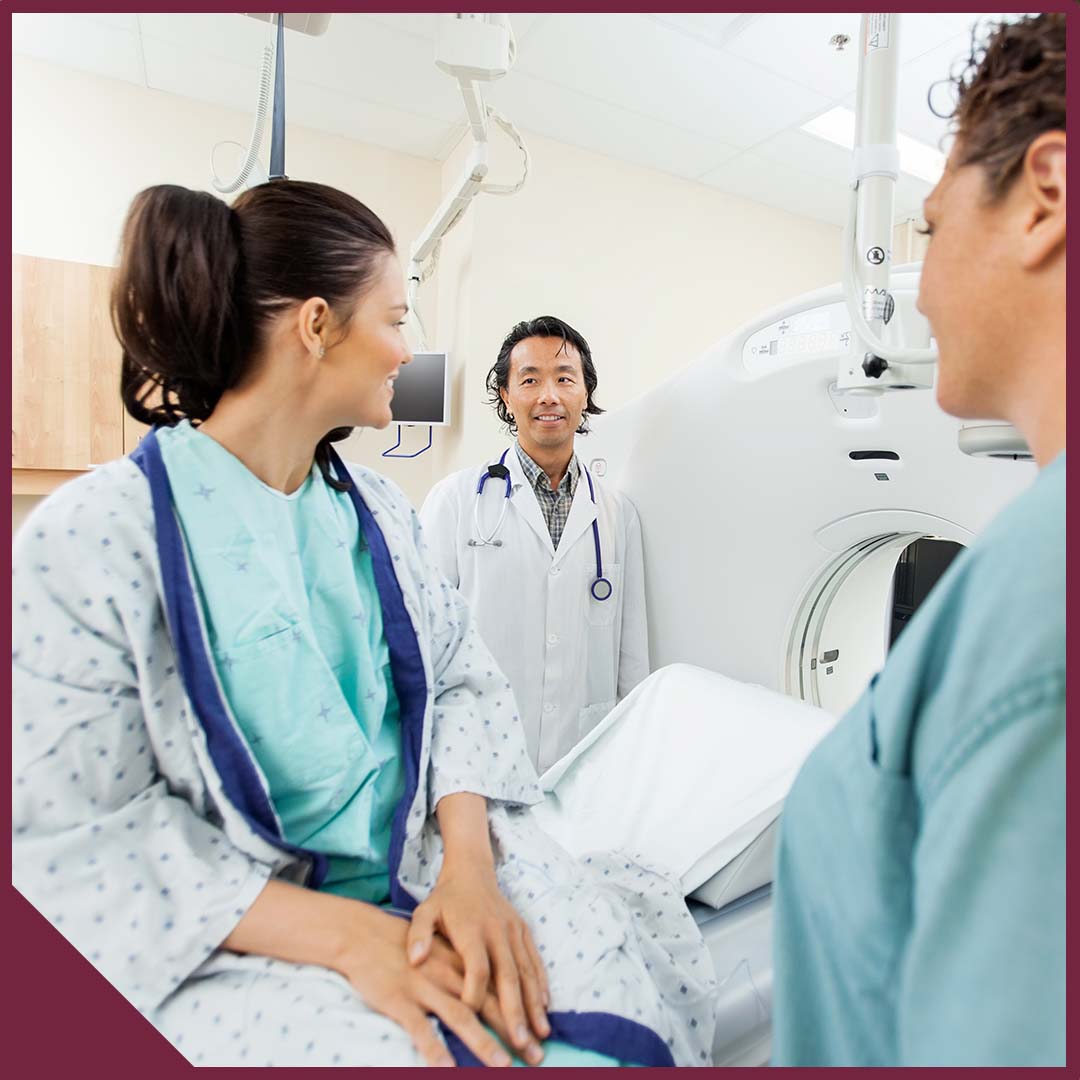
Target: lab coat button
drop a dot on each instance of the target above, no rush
(553, 639)
(555, 570)
(549, 708)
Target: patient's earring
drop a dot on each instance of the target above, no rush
(322, 352)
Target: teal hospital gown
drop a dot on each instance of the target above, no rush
(920, 886)
(295, 626)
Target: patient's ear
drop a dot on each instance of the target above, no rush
(1042, 182)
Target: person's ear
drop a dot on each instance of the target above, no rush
(312, 323)
(1042, 180)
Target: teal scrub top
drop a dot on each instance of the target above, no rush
(919, 899)
(288, 593)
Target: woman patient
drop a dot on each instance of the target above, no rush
(267, 778)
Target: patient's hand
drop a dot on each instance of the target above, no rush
(374, 962)
(367, 946)
(494, 948)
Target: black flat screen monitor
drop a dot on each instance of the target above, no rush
(422, 391)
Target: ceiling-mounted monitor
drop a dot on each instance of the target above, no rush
(422, 391)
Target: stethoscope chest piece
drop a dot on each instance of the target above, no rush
(601, 589)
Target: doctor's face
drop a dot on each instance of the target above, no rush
(545, 392)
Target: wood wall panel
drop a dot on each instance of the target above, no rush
(66, 410)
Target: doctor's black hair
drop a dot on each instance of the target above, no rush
(542, 326)
(1009, 91)
(199, 284)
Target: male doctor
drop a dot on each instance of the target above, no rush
(548, 559)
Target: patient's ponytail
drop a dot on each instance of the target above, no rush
(199, 284)
(176, 305)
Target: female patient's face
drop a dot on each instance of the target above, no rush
(361, 365)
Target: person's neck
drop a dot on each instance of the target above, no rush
(1036, 408)
(553, 462)
(263, 430)
(1041, 420)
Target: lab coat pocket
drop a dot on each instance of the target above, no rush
(602, 612)
(591, 715)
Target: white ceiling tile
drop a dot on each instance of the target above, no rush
(422, 25)
(357, 56)
(329, 110)
(783, 187)
(224, 35)
(807, 153)
(118, 21)
(913, 114)
(523, 24)
(715, 29)
(426, 26)
(76, 41)
(796, 45)
(322, 108)
(554, 111)
(175, 70)
(370, 61)
(638, 64)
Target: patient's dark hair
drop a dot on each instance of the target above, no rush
(542, 326)
(1010, 91)
(199, 283)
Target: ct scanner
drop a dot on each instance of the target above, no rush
(788, 529)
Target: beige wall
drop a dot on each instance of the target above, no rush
(83, 146)
(651, 269)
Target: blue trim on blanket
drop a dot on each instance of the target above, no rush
(407, 669)
(231, 757)
(621, 1039)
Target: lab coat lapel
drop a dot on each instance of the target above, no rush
(582, 515)
(524, 500)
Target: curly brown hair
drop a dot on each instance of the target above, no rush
(1011, 89)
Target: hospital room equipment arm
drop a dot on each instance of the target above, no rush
(985, 952)
(367, 947)
(490, 936)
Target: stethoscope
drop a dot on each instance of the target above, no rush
(601, 588)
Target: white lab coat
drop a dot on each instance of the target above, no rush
(569, 657)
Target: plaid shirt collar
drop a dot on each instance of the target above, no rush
(554, 505)
(538, 480)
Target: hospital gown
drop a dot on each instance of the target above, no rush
(919, 902)
(143, 827)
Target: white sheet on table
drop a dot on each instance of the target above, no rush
(686, 771)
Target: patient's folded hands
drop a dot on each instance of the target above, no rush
(494, 948)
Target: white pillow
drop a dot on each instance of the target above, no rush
(686, 772)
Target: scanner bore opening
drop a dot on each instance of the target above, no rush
(854, 612)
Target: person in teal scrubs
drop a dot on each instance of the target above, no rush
(920, 881)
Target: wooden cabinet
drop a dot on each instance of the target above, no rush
(66, 413)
